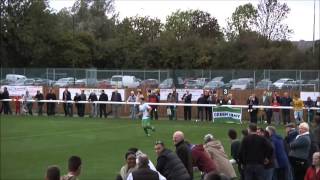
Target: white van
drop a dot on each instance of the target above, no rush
(119, 81)
(12, 78)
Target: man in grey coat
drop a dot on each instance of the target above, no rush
(299, 151)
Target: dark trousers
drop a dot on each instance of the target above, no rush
(103, 110)
(200, 113)
(299, 167)
(29, 107)
(6, 108)
(253, 116)
(40, 106)
(208, 111)
(254, 172)
(154, 113)
(187, 112)
(51, 109)
(268, 113)
(68, 110)
(286, 116)
(173, 113)
(81, 109)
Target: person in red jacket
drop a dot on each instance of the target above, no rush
(153, 98)
(201, 159)
(17, 104)
(313, 172)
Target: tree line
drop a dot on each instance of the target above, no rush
(90, 34)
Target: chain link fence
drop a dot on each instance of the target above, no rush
(301, 79)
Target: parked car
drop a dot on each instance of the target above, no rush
(12, 78)
(203, 81)
(229, 84)
(214, 85)
(65, 82)
(291, 85)
(119, 81)
(43, 82)
(149, 83)
(265, 84)
(279, 83)
(81, 83)
(218, 78)
(193, 84)
(104, 84)
(168, 83)
(242, 84)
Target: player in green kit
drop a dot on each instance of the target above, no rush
(145, 111)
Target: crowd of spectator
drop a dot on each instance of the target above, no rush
(256, 115)
(261, 154)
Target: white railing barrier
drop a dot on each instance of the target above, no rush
(160, 104)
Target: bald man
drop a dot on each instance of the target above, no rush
(183, 151)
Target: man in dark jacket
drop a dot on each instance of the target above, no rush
(51, 105)
(82, 106)
(201, 100)
(282, 170)
(94, 106)
(6, 104)
(144, 172)
(183, 151)
(299, 151)
(39, 97)
(153, 98)
(67, 106)
(285, 101)
(77, 98)
(187, 109)
(253, 101)
(169, 164)
(103, 97)
(252, 161)
(115, 97)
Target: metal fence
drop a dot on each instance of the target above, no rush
(56, 73)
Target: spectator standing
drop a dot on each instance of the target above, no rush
(316, 131)
(221, 101)
(28, 100)
(74, 167)
(6, 104)
(230, 100)
(67, 106)
(313, 172)
(276, 112)
(286, 101)
(187, 109)
(17, 104)
(39, 97)
(266, 101)
(298, 109)
(318, 106)
(153, 98)
(53, 173)
(132, 98)
(94, 106)
(219, 157)
(103, 107)
(173, 98)
(253, 101)
(169, 164)
(201, 100)
(291, 133)
(252, 161)
(115, 97)
(282, 170)
(299, 151)
(309, 104)
(76, 100)
(51, 105)
(1, 98)
(183, 151)
(82, 106)
(208, 109)
(235, 147)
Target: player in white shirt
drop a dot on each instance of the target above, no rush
(145, 109)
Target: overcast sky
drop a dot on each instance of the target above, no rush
(300, 18)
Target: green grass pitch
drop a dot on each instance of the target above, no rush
(30, 144)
